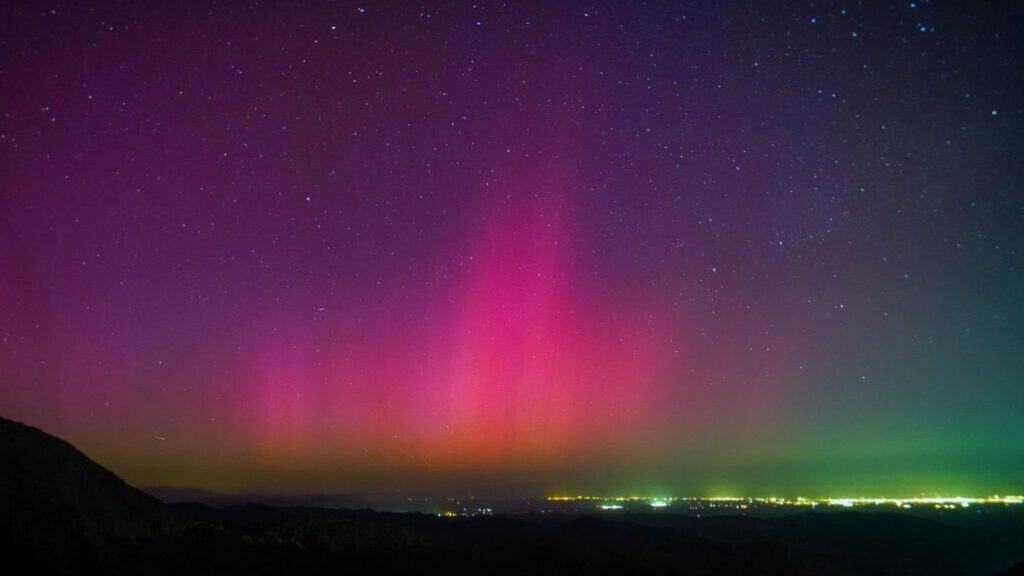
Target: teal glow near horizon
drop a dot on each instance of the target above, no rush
(518, 248)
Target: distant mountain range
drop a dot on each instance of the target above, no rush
(61, 513)
(169, 495)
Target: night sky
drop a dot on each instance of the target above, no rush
(519, 248)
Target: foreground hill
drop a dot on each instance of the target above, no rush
(62, 510)
(64, 514)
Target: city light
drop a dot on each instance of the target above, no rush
(742, 503)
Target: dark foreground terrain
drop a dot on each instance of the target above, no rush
(64, 514)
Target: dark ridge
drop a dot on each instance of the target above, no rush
(169, 495)
(1015, 570)
(64, 514)
(60, 508)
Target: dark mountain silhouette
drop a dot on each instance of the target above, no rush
(1016, 570)
(180, 495)
(64, 514)
(169, 495)
(61, 509)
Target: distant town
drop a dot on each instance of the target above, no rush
(696, 505)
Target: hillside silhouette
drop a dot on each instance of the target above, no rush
(65, 514)
(63, 511)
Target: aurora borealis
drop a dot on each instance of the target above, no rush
(520, 248)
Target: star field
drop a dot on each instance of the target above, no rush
(518, 246)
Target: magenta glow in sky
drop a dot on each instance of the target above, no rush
(516, 247)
